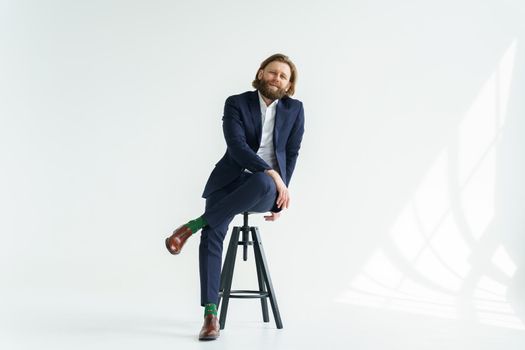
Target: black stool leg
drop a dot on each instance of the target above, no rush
(229, 277)
(259, 252)
(262, 286)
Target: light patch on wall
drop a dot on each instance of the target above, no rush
(430, 262)
(503, 261)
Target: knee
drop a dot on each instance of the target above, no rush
(263, 181)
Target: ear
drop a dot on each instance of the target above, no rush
(259, 74)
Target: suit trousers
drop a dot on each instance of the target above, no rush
(249, 192)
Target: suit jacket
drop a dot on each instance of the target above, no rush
(241, 124)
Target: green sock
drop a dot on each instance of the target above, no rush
(210, 309)
(197, 224)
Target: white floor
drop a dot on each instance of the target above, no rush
(65, 322)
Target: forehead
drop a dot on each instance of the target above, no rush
(278, 66)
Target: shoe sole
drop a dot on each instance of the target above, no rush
(208, 338)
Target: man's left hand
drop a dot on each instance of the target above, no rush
(272, 217)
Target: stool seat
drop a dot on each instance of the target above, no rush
(265, 291)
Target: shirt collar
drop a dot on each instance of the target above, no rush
(263, 104)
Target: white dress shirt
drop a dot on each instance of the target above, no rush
(266, 150)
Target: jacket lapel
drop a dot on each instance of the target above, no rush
(255, 111)
(280, 116)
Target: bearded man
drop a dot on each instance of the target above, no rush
(263, 130)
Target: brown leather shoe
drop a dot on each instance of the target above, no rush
(176, 241)
(210, 328)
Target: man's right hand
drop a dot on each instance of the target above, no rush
(283, 199)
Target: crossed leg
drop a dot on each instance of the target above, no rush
(250, 192)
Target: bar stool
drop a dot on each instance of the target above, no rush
(263, 274)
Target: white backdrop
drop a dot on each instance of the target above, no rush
(408, 192)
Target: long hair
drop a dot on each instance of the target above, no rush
(281, 58)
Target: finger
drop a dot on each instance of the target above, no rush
(285, 201)
(279, 201)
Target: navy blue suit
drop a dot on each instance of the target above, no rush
(230, 190)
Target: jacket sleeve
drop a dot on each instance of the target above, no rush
(235, 136)
(294, 144)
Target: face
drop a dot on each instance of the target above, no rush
(275, 80)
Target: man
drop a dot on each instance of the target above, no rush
(263, 131)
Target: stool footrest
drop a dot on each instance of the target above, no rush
(239, 294)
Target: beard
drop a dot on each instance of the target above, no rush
(269, 92)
